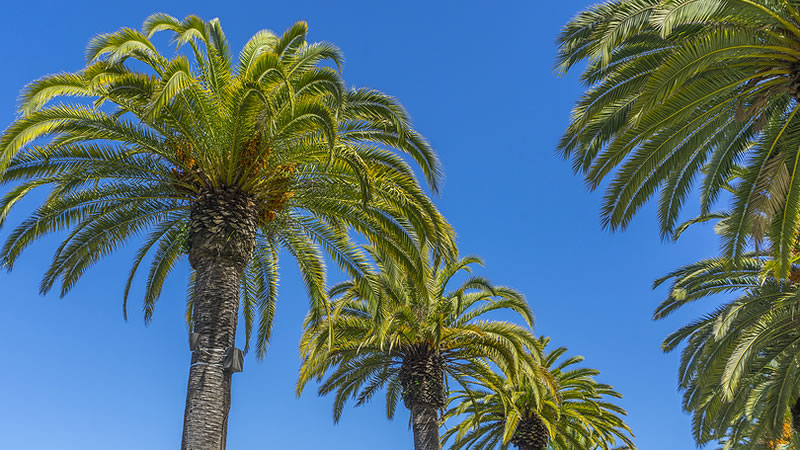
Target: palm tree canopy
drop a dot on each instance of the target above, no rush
(130, 143)
(738, 369)
(684, 89)
(377, 326)
(575, 409)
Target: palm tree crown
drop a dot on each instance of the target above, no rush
(565, 410)
(410, 338)
(269, 146)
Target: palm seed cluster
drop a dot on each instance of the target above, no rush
(782, 442)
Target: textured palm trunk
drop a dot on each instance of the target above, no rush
(422, 378)
(208, 396)
(425, 422)
(221, 238)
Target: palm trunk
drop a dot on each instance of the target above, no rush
(422, 378)
(221, 238)
(425, 422)
(216, 307)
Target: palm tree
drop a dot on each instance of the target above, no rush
(225, 160)
(739, 368)
(681, 89)
(411, 338)
(496, 411)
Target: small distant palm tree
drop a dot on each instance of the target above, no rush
(739, 368)
(681, 90)
(226, 160)
(497, 411)
(411, 338)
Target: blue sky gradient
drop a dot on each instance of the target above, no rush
(479, 83)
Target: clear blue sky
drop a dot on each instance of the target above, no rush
(477, 78)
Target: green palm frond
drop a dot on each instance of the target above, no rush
(686, 90)
(739, 366)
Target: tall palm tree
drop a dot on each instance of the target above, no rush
(226, 160)
(739, 368)
(411, 338)
(497, 411)
(681, 89)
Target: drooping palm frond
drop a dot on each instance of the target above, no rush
(739, 367)
(678, 93)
